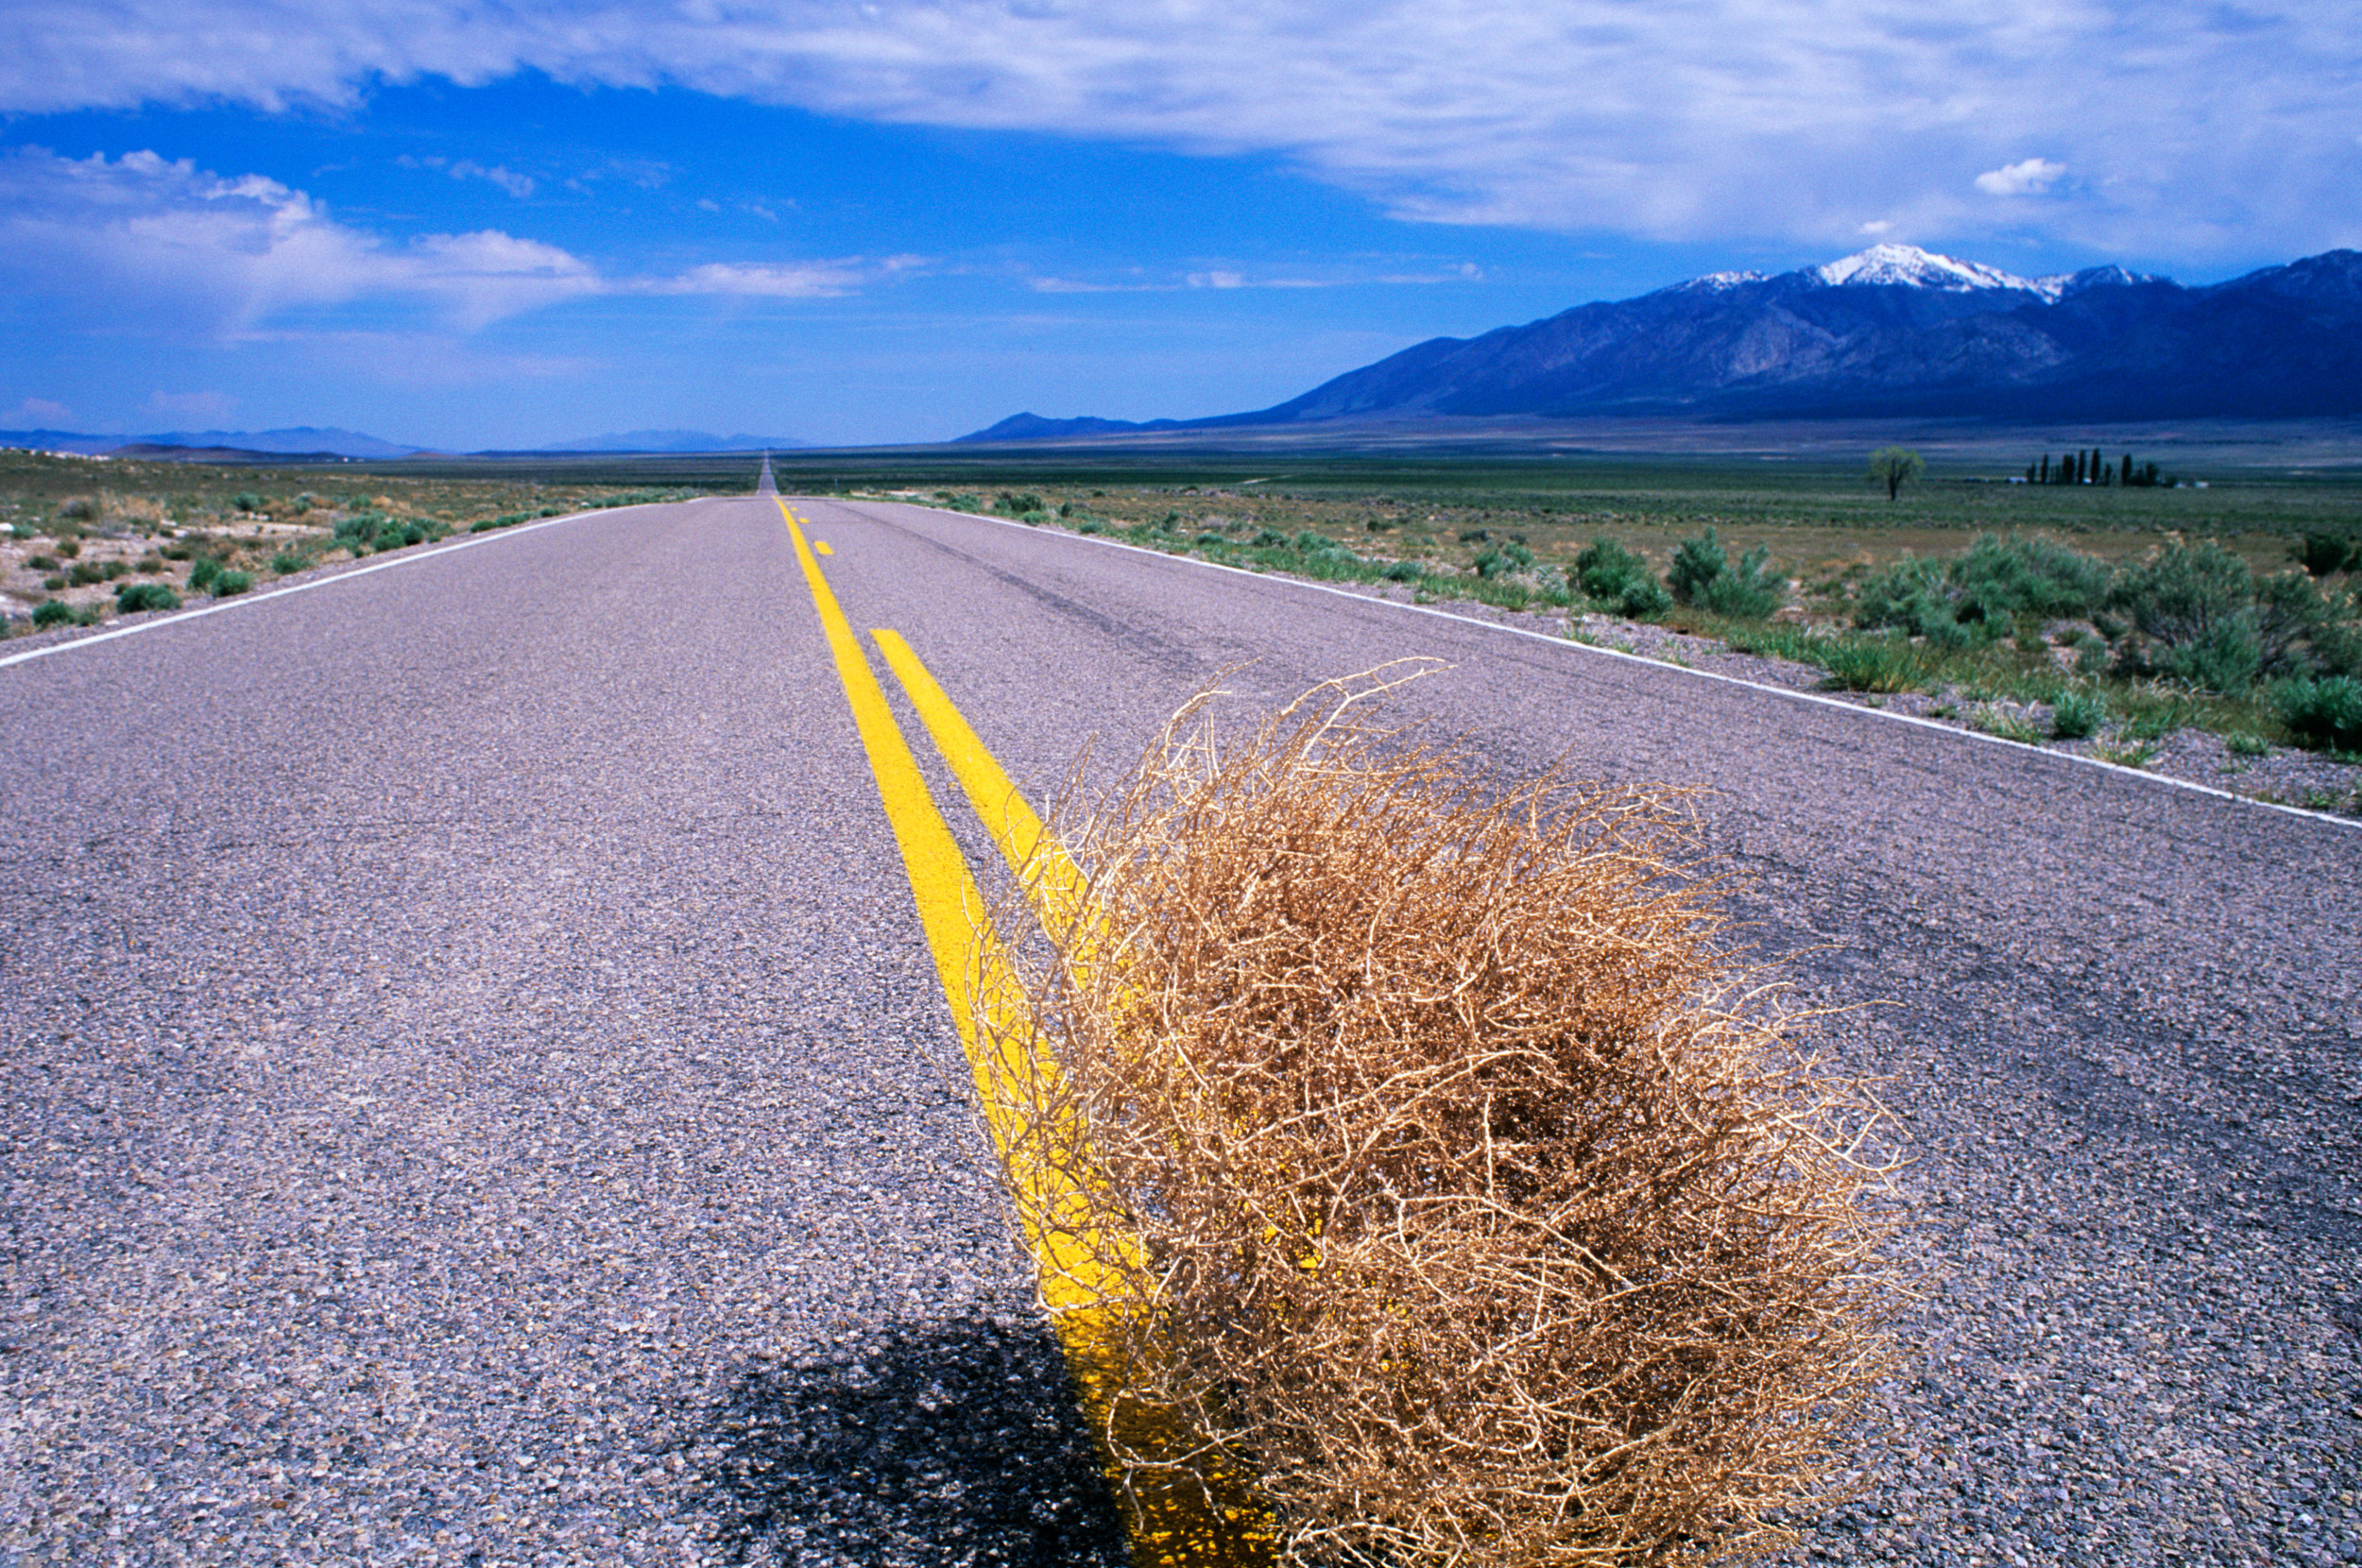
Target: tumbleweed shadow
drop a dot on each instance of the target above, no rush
(931, 1443)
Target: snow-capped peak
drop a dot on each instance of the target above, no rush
(1911, 267)
(1716, 282)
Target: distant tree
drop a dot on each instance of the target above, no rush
(1893, 466)
(2045, 468)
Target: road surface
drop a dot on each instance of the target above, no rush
(476, 1090)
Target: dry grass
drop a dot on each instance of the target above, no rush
(1424, 1159)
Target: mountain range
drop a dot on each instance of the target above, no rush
(1894, 330)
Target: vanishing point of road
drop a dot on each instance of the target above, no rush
(476, 1090)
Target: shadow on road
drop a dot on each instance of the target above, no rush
(936, 1443)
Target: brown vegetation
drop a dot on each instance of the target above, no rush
(1422, 1159)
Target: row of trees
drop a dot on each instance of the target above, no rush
(2092, 468)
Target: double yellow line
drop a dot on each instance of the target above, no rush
(1171, 1526)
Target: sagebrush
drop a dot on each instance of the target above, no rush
(1425, 1166)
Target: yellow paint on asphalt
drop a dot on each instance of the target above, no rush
(1052, 879)
(1171, 1526)
(822, 546)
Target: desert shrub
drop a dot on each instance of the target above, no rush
(1269, 538)
(2185, 597)
(1419, 1166)
(133, 597)
(246, 501)
(2077, 714)
(1018, 505)
(2197, 614)
(52, 612)
(229, 583)
(1503, 560)
(1703, 574)
(1402, 571)
(286, 562)
(2324, 714)
(80, 509)
(1696, 563)
(86, 572)
(1618, 579)
(41, 563)
(68, 546)
(1999, 578)
(202, 573)
(2321, 553)
(1872, 664)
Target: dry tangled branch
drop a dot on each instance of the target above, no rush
(1422, 1159)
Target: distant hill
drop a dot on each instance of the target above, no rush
(677, 440)
(1032, 427)
(300, 442)
(1892, 330)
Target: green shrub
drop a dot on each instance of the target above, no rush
(1703, 574)
(80, 509)
(1698, 562)
(246, 501)
(84, 573)
(229, 583)
(41, 563)
(1872, 664)
(1269, 538)
(2001, 578)
(1402, 571)
(2322, 553)
(1500, 560)
(2323, 714)
(53, 584)
(133, 597)
(1017, 504)
(2247, 746)
(52, 612)
(2077, 714)
(202, 574)
(1606, 571)
(286, 562)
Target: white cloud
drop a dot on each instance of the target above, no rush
(190, 405)
(818, 280)
(517, 185)
(1707, 118)
(37, 410)
(2029, 178)
(203, 255)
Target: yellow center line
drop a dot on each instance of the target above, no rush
(1171, 1524)
(1051, 877)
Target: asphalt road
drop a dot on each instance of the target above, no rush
(476, 1092)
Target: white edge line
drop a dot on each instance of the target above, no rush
(243, 601)
(1815, 698)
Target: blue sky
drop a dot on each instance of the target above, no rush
(471, 226)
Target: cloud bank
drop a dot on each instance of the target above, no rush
(2193, 127)
(143, 241)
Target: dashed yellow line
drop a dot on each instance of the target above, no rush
(1170, 1527)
